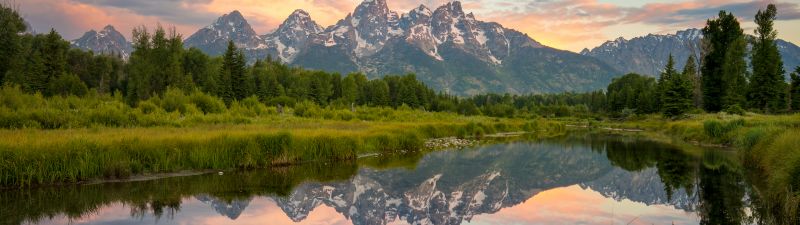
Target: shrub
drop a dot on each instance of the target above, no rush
(110, 114)
(174, 100)
(67, 84)
(147, 107)
(282, 100)
(735, 110)
(307, 109)
(207, 103)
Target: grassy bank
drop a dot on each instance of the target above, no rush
(34, 156)
(768, 145)
(52, 140)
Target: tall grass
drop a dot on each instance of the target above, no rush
(31, 157)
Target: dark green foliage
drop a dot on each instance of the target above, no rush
(794, 90)
(633, 91)
(724, 67)
(676, 91)
(67, 84)
(11, 24)
(690, 71)
(766, 90)
(156, 63)
(232, 75)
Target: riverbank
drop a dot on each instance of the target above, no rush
(769, 145)
(33, 157)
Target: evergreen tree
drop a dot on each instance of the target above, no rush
(734, 72)
(232, 75)
(676, 95)
(632, 92)
(690, 72)
(140, 69)
(766, 83)
(794, 90)
(723, 67)
(11, 24)
(239, 78)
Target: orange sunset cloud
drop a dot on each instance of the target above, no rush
(565, 24)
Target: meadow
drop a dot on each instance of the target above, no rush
(61, 140)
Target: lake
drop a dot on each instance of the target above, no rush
(574, 179)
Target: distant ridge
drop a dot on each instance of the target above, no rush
(648, 54)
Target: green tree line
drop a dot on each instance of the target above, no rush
(720, 80)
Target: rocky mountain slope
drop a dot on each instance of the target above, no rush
(106, 41)
(648, 54)
(447, 48)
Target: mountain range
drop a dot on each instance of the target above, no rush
(648, 54)
(446, 48)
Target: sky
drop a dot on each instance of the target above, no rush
(564, 24)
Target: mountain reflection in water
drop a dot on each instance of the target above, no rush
(576, 179)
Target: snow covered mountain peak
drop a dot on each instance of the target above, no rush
(106, 41)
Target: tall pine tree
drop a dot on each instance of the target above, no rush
(724, 68)
(767, 81)
(11, 24)
(232, 75)
(690, 72)
(676, 91)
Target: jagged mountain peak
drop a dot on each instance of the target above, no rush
(233, 19)
(453, 8)
(299, 13)
(370, 9)
(299, 20)
(229, 27)
(106, 41)
(109, 28)
(422, 10)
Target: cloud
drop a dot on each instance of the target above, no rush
(565, 24)
(177, 11)
(693, 12)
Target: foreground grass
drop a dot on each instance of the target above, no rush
(51, 140)
(768, 145)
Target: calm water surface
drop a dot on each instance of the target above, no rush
(577, 179)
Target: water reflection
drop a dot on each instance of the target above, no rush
(576, 179)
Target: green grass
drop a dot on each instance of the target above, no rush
(68, 139)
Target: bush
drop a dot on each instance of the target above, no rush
(735, 110)
(207, 103)
(67, 84)
(148, 107)
(110, 114)
(174, 100)
(283, 101)
(307, 109)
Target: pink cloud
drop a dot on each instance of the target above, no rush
(566, 24)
